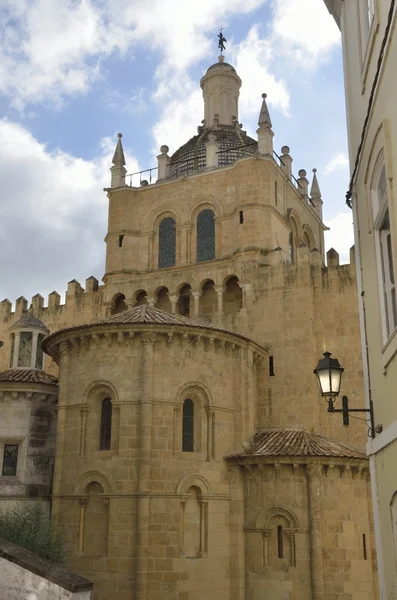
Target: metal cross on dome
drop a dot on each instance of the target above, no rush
(222, 41)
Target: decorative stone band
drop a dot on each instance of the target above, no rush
(149, 325)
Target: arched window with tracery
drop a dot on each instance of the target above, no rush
(188, 426)
(206, 235)
(106, 425)
(167, 243)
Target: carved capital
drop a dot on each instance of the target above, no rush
(148, 338)
(63, 348)
(314, 470)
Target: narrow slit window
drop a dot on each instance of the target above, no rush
(106, 425)
(241, 217)
(271, 366)
(121, 237)
(365, 547)
(280, 540)
(188, 426)
(10, 460)
(275, 192)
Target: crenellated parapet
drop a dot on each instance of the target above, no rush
(81, 306)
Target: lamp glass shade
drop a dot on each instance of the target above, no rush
(329, 375)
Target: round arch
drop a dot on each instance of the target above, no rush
(197, 389)
(193, 480)
(100, 387)
(94, 477)
(265, 517)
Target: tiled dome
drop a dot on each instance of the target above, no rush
(29, 320)
(233, 144)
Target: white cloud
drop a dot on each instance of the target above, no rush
(339, 161)
(341, 235)
(303, 30)
(55, 207)
(49, 50)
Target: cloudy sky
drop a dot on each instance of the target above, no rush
(73, 73)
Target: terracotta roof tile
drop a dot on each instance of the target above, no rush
(294, 442)
(27, 376)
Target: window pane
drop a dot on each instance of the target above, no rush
(106, 425)
(206, 235)
(188, 426)
(167, 243)
(10, 459)
(381, 190)
(25, 349)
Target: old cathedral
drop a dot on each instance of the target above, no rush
(170, 415)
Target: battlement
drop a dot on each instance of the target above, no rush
(75, 294)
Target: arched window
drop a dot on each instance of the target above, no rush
(291, 253)
(106, 425)
(188, 426)
(280, 545)
(167, 243)
(206, 235)
(119, 305)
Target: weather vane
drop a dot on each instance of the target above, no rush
(222, 40)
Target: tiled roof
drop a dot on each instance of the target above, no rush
(27, 376)
(294, 442)
(233, 144)
(146, 314)
(149, 314)
(29, 320)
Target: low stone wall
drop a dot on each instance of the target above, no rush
(24, 575)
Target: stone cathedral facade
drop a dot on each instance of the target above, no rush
(194, 457)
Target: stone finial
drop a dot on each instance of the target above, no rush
(315, 195)
(118, 170)
(264, 116)
(303, 183)
(163, 163)
(264, 131)
(286, 161)
(118, 157)
(315, 188)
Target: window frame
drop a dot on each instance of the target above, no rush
(199, 239)
(161, 262)
(102, 436)
(385, 261)
(192, 426)
(14, 444)
(367, 31)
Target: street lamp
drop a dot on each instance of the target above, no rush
(329, 376)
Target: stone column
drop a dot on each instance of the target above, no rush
(314, 474)
(146, 400)
(34, 349)
(17, 343)
(83, 505)
(174, 301)
(64, 368)
(220, 290)
(83, 429)
(151, 300)
(196, 306)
